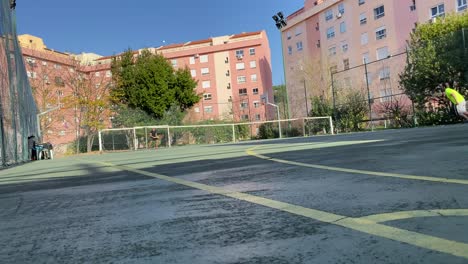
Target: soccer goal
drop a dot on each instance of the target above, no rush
(140, 138)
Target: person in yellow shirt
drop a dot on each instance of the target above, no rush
(457, 99)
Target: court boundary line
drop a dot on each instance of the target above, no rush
(251, 152)
(363, 225)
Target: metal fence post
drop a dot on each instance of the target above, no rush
(233, 134)
(368, 96)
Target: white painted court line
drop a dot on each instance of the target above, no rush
(359, 224)
(252, 152)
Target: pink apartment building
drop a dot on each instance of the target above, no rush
(51, 76)
(233, 74)
(336, 37)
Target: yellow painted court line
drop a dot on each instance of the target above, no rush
(251, 152)
(363, 225)
(380, 218)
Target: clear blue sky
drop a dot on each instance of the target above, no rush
(107, 27)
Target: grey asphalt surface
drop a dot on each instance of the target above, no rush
(77, 210)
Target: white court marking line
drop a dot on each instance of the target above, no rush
(363, 225)
(251, 152)
(386, 217)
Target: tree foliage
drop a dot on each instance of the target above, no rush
(352, 111)
(149, 82)
(281, 99)
(437, 54)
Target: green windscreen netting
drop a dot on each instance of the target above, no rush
(17, 107)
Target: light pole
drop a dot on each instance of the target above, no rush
(280, 22)
(279, 122)
(305, 97)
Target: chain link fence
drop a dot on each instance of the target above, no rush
(17, 106)
(369, 96)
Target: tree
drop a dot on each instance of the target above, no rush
(46, 90)
(397, 109)
(436, 55)
(149, 82)
(280, 98)
(352, 111)
(90, 100)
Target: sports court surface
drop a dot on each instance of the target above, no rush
(395, 196)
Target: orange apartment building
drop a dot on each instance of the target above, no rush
(233, 73)
(339, 36)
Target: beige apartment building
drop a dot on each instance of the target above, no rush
(352, 44)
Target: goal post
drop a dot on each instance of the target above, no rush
(137, 138)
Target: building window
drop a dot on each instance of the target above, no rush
(192, 60)
(382, 53)
(108, 73)
(385, 94)
(342, 27)
(299, 46)
(361, 2)
(252, 51)
(256, 104)
(330, 32)
(245, 117)
(205, 71)
(365, 57)
(438, 10)
(341, 8)
(333, 69)
(240, 66)
(197, 109)
(289, 50)
(241, 79)
(298, 31)
(257, 117)
(328, 14)
(253, 77)
(44, 63)
(363, 19)
(59, 81)
(193, 73)
(253, 64)
(364, 38)
(344, 46)
(288, 35)
(97, 74)
(206, 84)
(244, 105)
(384, 74)
(208, 109)
(203, 58)
(461, 5)
(207, 96)
(243, 91)
(255, 90)
(380, 33)
(58, 67)
(239, 53)
(332, 51)
(379, 12)
(174, 63)
(346, 64)
(369, 78)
